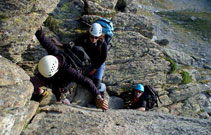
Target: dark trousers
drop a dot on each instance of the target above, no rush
(39, 81)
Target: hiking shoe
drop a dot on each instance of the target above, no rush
(43, 95)
(66, 101)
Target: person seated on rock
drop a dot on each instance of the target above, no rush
(139, 99)
(55, 70)
(96, 48)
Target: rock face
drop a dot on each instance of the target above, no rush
(61, 119)
(19, 20)
(15, 93)
(179, 57)
(134, 58)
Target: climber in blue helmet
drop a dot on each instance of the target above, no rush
(139, 99)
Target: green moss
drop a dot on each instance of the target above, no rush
(204, 81)
(3, 16)
(65, 7)
(18, 21)
(144, 13)
(202, 75)
(96, 1)
(163, 86)
(185, 77)
(52, 23)
(172, 64)
(106, 15)
(25, 126)
(80, 31)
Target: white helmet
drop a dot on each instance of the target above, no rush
(95, 30)
(48, 66)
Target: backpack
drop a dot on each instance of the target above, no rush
(108, 29)
(151, 96)
(77, 57)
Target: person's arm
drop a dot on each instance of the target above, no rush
(101, 60)
(143, 105)
(103, 56)
(46, 42)
(77, 77)
(141, 109)
(56, 42)
(101, 103)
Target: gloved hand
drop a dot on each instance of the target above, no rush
(101, 103)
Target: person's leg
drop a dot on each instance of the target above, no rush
(37, 82)
(100, 71)
(102, 89)
(38, 93)
(98, 76)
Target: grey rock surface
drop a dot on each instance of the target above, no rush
(133, 23)
(133, 59)
(179, 57)
(194, 74)
(186, 91)
(115, 103)
(16, 109)
(61, 119)
(174, 78)
(19, 19)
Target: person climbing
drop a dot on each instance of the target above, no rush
(139, 98)
(55, 70)
(95, 46)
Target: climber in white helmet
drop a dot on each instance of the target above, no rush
(95, 46)
(48, 66)
(55, 69)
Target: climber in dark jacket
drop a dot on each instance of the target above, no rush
(139, 98)
(95, 46)
(55, 69)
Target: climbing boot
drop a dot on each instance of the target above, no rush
(43, 94)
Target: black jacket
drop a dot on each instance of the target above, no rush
(140, 102)
(66, 73)
(97, 52)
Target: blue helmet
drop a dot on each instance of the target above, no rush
(139, 87)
